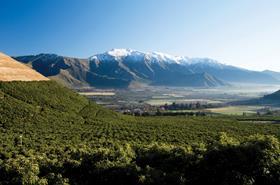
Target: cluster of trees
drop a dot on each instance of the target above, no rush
(188, 106)
(199, 113)
(225, 162)
(168, 113)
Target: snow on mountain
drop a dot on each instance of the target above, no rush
(116, 55)
(206, 62)
(183, 64)
(136, 56)
(119, 52)
(157, 56)
(152, 57)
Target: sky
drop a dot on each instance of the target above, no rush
(244, 33)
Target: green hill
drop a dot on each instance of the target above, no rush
(43, 102)
(52, 135)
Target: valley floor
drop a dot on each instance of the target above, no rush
(150, 99)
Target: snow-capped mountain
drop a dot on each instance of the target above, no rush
(158, 57)
(152, 67)
(137, 56)
(121, 67)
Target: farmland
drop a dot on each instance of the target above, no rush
(236, 110)
(52, 135)
(218, 100)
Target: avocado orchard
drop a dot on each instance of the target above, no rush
(51, 135)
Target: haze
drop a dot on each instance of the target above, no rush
(236, 32)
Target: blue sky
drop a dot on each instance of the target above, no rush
(244, 33)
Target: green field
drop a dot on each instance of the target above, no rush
(236, 110)
(162, 101)
(51, 135)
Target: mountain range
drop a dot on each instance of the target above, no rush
(119, 68)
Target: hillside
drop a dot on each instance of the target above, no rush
(68, 71)
(273, 98)
(11, 70)
(26, 94)
(45, 102)
(269, 100)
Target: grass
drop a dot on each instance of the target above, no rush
(236, 110)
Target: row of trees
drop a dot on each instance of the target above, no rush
(189, 106)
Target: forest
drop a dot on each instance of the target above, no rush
(52, 135)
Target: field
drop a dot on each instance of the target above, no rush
(236, 110)
(51, 135)
(164, 100)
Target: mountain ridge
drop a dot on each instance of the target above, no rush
(111, 72)
(118, 68)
